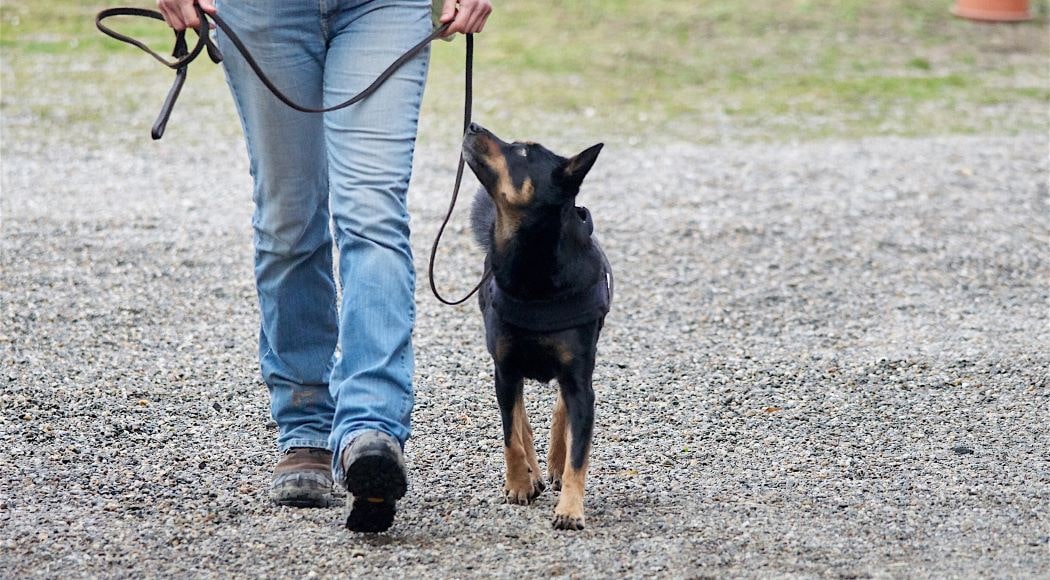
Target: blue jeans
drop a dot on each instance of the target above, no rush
(332, 372)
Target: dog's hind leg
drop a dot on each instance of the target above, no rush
(578, 397)
(523, 482)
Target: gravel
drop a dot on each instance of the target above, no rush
(825, 359)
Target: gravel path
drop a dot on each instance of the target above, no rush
(826, 359)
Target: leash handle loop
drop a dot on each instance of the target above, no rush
(181, 53)
(203, 39)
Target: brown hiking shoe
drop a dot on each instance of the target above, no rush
(303, 478)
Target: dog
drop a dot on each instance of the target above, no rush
(548, 289)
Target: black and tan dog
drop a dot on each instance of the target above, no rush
(544, 305)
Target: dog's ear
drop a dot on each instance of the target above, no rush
(575, 169)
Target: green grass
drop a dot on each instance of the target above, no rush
(681, 69)
(779, 70)
(51, 27)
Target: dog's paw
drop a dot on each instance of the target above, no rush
(538, 485)
(567, 522)
(523, 494)
(555, 481)
(518, 496)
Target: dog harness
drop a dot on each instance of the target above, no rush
(556, 313)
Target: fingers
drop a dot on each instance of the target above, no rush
(208, 6)
(448, 11)
(472, 21)
(477, 24)
(470, 18)
(189, 15)
(172, 18)
(182, 14)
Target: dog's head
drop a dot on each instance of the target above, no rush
(523, 177)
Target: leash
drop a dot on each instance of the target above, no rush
(183, 56)
(468, 99)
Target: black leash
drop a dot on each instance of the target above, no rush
(468, 99)
(183, 56)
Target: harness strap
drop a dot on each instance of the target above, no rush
(553, 314)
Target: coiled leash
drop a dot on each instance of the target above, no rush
(183, 56)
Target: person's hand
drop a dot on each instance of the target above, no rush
(181, 14)
(466, 16)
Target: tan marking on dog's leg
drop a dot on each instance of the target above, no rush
(558, 450)
(520, 457)
(568, 514)
(528, 441)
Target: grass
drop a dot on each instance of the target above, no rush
(680, 69)
(30, 27)
(765, 70)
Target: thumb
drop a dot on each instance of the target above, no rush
(207, 6)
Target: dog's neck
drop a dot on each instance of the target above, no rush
(550, 254)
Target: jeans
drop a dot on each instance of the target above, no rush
(343, 176)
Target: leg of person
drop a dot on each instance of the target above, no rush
(370, 162)
(292, 236)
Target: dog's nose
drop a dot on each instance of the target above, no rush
(473, 128)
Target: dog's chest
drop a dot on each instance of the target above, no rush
(537, 357)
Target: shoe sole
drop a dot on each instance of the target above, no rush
(302, 491)
(376, 481)
(302, 500)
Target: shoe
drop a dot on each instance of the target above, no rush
(375, 475)
(303, 478)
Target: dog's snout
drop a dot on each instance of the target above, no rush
(473, 128)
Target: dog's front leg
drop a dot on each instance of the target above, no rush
(523, 482)
(578, 398)
(556, 452)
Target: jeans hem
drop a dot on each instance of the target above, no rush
(313, 443)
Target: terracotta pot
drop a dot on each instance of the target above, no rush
(993, 10)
